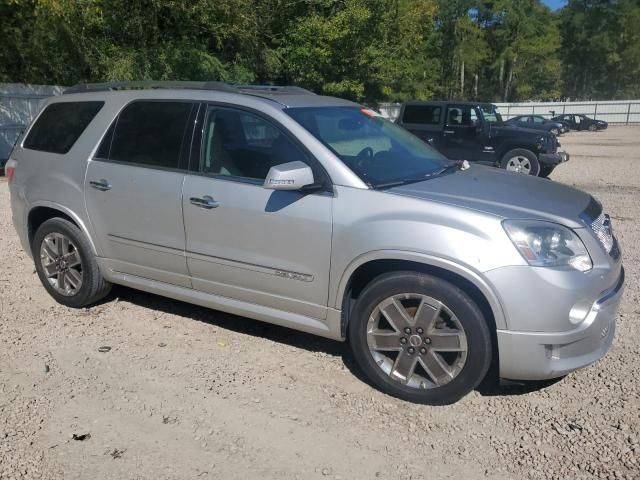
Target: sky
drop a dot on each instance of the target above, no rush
(555, 4)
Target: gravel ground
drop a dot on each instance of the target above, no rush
(185, 392)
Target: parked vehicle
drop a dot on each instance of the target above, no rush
(476, 132)
(581, 122)
(317, 214)
(537, 122)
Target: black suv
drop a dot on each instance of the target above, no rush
(476, 132)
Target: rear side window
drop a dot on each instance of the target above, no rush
(422, 114)
(148, 133)
(60, 125)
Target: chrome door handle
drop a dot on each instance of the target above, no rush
(449, 132)
(101, 185)
(204, 202)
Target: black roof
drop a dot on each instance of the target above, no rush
(444, 102)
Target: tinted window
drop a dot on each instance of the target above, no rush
(422, 114)
(60, 125)
(149, 133)
(240, 144)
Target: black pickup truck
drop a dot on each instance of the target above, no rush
(475, 132)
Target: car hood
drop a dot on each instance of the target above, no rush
(513, 130)
(504, 194)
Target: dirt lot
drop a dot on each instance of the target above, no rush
(186, 392)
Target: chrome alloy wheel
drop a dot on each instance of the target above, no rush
(519, 164)
(417, 341)
(61, 264)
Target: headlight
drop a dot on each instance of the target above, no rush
(546, 244)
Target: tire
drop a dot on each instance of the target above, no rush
(419, 340)
(521, 161)
(593, 127)
(66, 265)
(545, 171)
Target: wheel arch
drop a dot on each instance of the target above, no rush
(366, 267)
(40, 212)
(508, 146)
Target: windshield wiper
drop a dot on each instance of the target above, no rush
(404, 181)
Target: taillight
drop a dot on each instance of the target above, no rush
(10, 169)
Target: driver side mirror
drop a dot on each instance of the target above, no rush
(289, 176)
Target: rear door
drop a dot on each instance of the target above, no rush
(462, 133)
(265, 247)
(133, 190)
(425, 121)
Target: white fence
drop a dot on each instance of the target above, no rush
(622, 112)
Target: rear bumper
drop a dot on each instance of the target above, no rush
(553, 159)
(18, 216)
(544, 355)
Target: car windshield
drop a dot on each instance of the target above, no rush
(378, 151)
(491, 114)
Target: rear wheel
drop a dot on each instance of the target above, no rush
(520, 160)
(419, 338)
(66, 265)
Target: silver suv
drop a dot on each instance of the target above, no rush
(317, 214)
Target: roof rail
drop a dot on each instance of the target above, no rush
(140, 85)
(275, 89)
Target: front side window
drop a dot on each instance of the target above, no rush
(149, 134)
(538, 120)
(236, 143)
(491, 114)
(461, 116)
(60, 125)
(377, 150)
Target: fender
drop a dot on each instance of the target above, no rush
(462, 270)
(66, 211)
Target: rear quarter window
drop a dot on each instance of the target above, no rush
(60, 125)
(422, 114)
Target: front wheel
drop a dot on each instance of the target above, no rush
(419, 338)
(520, 160)
(593, 127)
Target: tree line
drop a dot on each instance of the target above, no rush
(367, 50)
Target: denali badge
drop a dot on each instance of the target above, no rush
(284, 181)
(294, 276)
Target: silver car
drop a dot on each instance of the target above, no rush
(317, 214)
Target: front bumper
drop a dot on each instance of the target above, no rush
(553, 159)
(544, 355)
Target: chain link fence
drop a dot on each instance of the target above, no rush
(621, 112)
(19, 103)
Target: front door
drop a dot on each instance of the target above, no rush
(462, 133)
(133, 191)
(265, 247)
